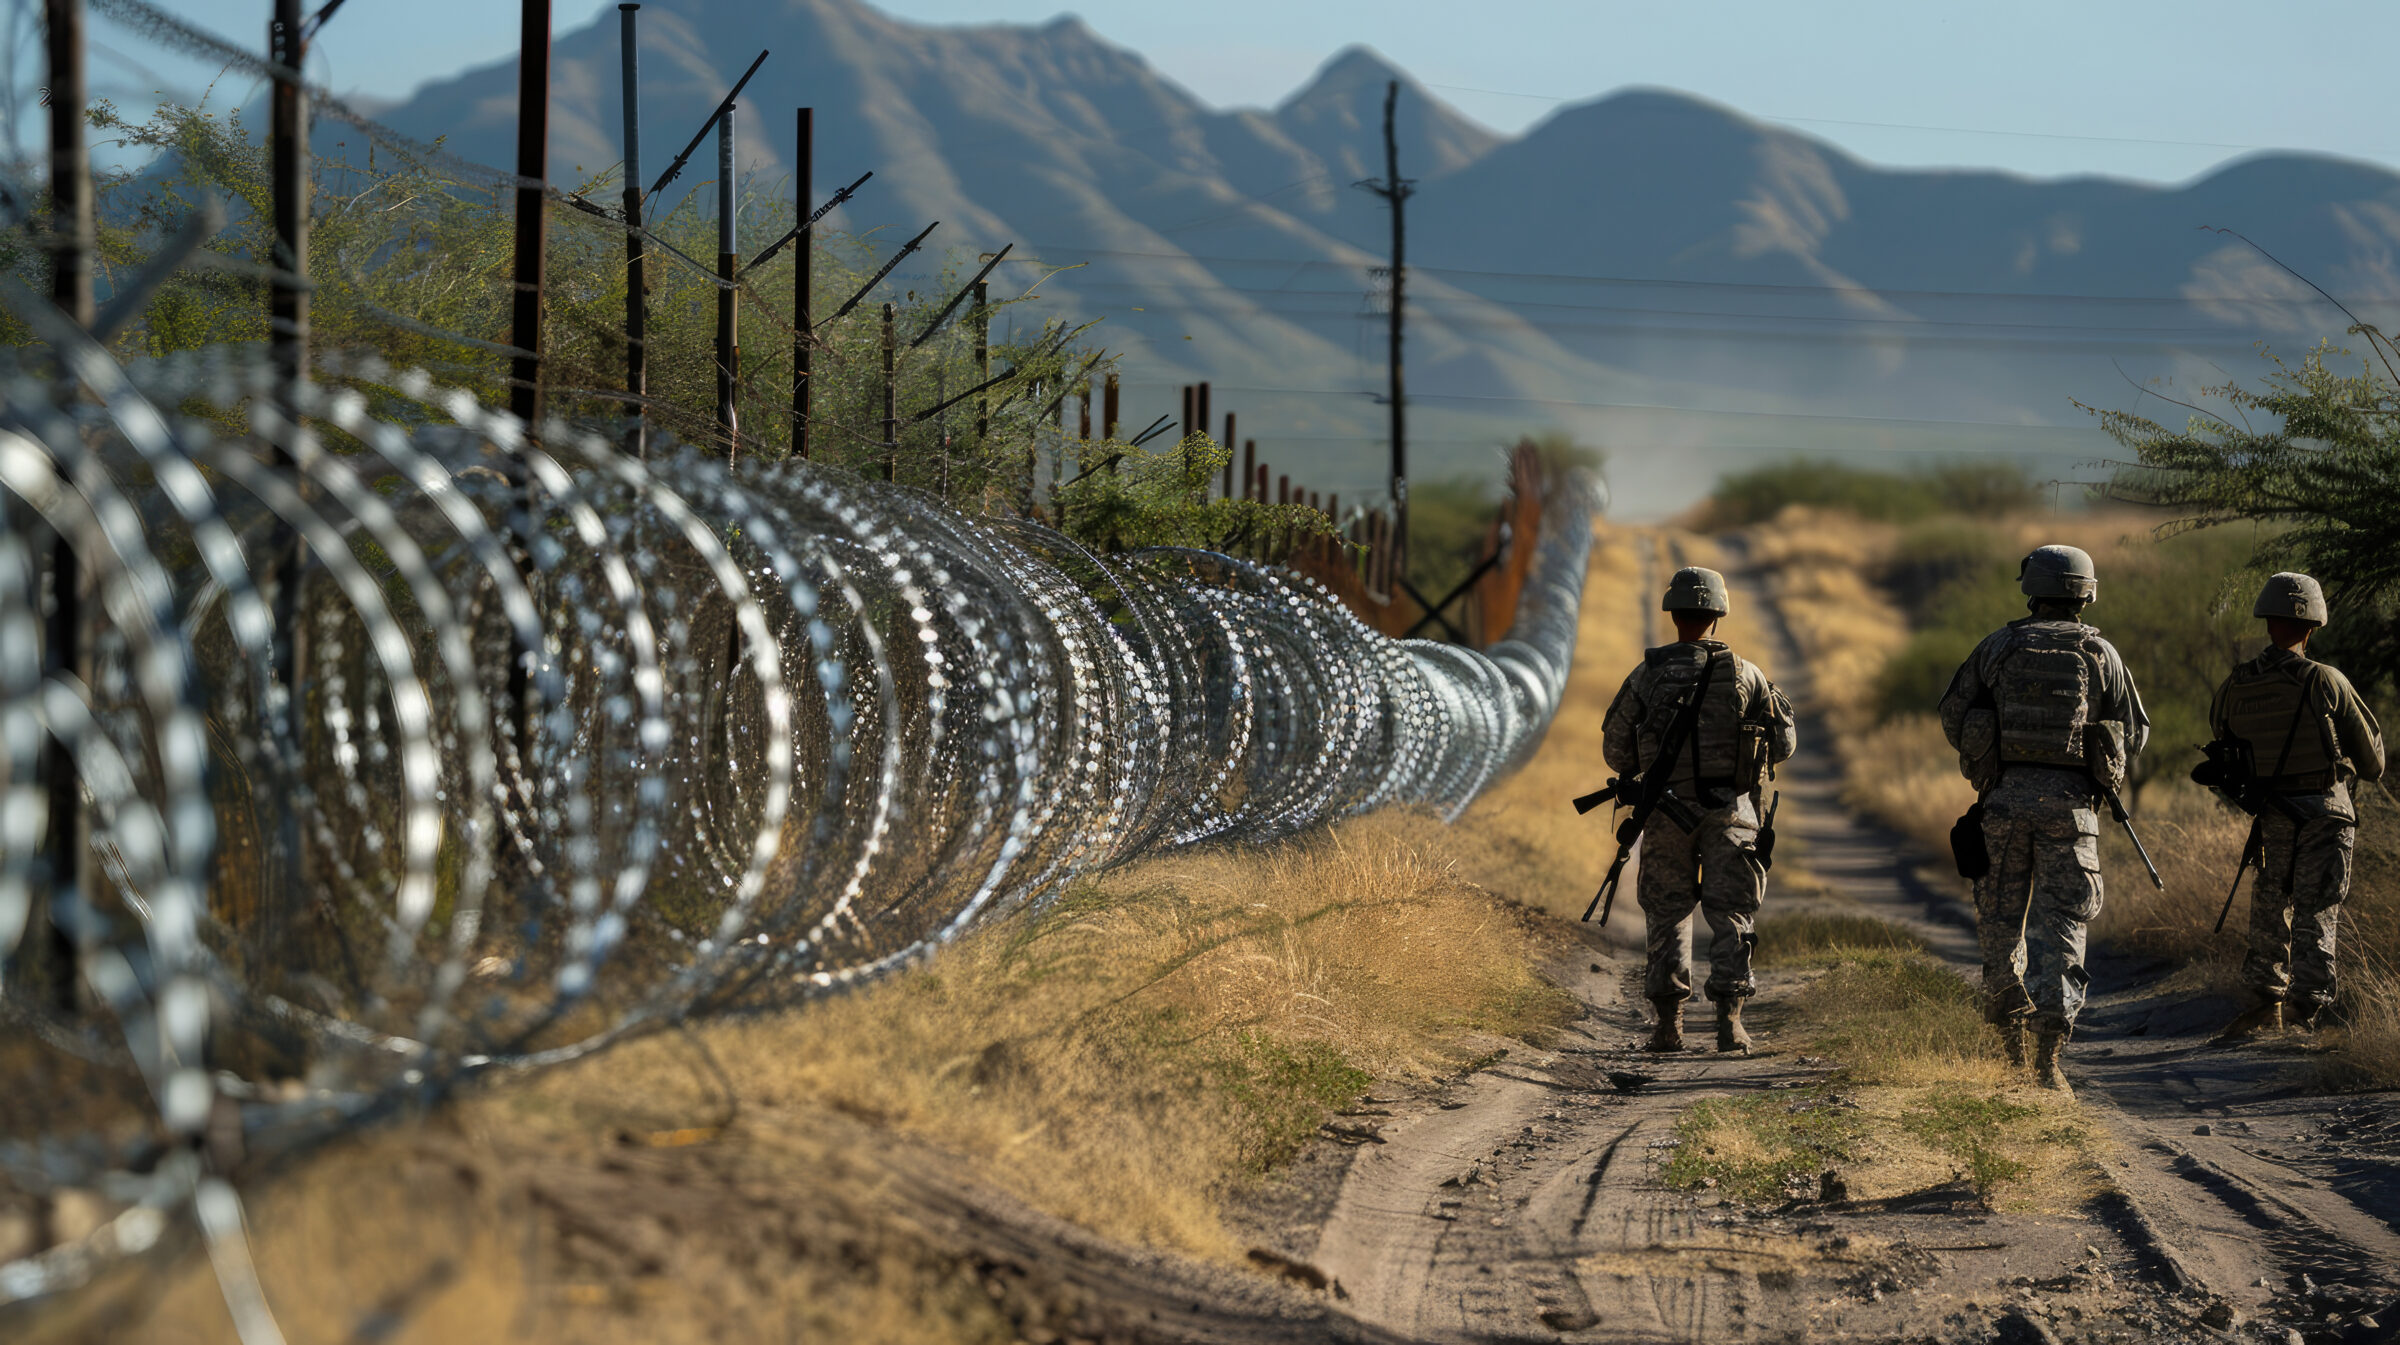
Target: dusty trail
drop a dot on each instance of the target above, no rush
(1525, 1201)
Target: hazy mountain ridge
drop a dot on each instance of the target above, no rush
(1646, 249)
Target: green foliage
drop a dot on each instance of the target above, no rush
(1118, 496)
(1980, 487)
(412, 263)
(2313, 451)
(2178, 610)
(1447, 522)
(1278, 1091)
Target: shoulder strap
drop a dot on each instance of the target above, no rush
(2308, 691)
(1671, 742)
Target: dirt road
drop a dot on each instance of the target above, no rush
(1524, 1202)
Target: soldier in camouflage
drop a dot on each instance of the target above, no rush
(2041, 713)
(1700, 849)
(2304, 734)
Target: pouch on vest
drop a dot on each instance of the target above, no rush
(1752, 768)
(2043, 691)
(1967, 845)
(2104, 753)
(1979, 746)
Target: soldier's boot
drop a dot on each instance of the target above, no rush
(2266, 1017)
(2012, 1041)
(2045, 1064)
(1668, 1036)
(1731, 1035)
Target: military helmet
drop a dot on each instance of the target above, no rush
(1696, 589)
(2059, 572)
(2293, 596)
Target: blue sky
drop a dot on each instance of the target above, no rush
(2137, 88)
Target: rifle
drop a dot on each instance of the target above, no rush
(2254, 851)
(1645, 794)
(2116, 807)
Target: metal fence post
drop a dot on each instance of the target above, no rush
(803, 265)
(533, 173)
(637, 301)
(729, 350)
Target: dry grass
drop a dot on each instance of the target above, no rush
(1173, 1027)
(1905, 773)
(1922, 1096)
(1123, 1060)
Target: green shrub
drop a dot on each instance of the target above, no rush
(1981, 487)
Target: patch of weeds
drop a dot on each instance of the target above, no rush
(1792, 939)
(1764, 1147)
(1971, 1127)
(1882, 1012)
(1278, 1092)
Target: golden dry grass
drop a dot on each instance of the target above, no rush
(1123, 1060)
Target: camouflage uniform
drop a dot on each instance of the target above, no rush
(2041, 824)
(2305, 872)
(1744, 727)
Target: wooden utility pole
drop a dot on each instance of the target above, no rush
(287, 329)
(729, 264)
(1395, 190)
(803, 264)
(637, 300)
(533, 174)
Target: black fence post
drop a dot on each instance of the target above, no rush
(637, 300)
(729, 352)
(803, 393)
(533, 173)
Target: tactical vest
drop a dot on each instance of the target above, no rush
(1716, 735)
(2274, 709)
(2042, 690)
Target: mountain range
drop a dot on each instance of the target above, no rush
(1684, 286)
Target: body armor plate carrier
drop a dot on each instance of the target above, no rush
(2274, 710)
(2042, 690)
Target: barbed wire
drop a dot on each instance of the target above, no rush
(556, 746)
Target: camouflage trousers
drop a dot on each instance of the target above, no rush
(2302, 880)
(2031, 909)
(1716, 872)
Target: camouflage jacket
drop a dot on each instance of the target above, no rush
(2349, 733)
(1745, 726)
